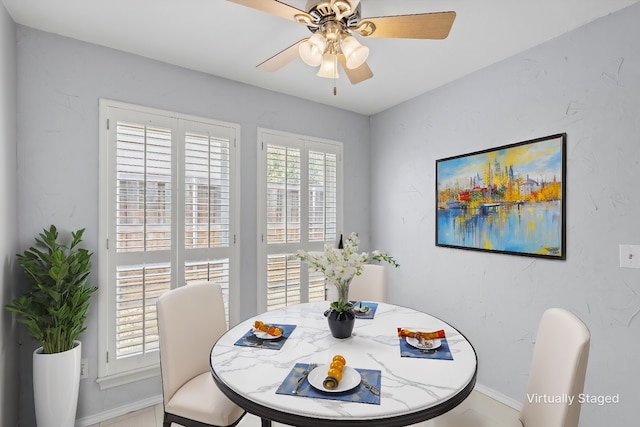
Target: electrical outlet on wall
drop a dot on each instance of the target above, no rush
(84, 369)
(630, 256)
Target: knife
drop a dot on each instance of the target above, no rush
(304, 376)
(371, 388)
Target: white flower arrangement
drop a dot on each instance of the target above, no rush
(339, 266)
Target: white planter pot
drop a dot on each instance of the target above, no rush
(56, 381)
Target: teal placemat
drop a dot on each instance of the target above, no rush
(359, 393)
(250, 340)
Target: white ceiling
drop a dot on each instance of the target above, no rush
(229, 40)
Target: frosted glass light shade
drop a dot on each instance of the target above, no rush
(329, 67)
(311, 51)
(354, 53)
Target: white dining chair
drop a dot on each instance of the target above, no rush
(190, 320)
(371, 285)
(558, 368)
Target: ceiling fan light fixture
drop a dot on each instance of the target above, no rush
(329, 67)
(333, 23)
(311, 51)
(354, 53)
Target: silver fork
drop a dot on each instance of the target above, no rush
(305, 374)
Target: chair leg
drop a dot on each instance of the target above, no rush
(165, 421)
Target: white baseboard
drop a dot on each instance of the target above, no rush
(512, 403)
(95, 419)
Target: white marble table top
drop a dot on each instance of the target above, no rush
(412, 389)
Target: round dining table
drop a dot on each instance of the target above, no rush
(253, 372)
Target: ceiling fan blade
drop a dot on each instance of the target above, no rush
(420, 26)
(281, 58)
(277, 8)
(355, 75)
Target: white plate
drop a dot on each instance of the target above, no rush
(426, 345)
(264, 335)
(361, 309)
(350, 379)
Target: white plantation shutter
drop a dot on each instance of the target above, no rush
(167, 219)
(143, 234)
(137, 289)
(300, 209)
(323, 196)
(206, 191)
(207, 209)
(283, 194)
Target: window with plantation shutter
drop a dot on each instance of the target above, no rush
(300, 187)
(167, 219)
(143, 226)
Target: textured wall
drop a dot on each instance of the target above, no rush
(60, 83)
(587, 84)
(8, 218)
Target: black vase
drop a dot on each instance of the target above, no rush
(340, 322)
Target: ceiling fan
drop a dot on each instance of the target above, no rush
(333, 23)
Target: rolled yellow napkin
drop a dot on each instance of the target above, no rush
(267, 328)
(425, 335)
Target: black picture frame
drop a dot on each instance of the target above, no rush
(508, 200)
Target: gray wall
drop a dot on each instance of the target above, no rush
(8, 218)
(60, 83)
(587, 84)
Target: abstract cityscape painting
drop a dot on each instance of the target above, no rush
(508, 199)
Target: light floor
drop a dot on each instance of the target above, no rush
(486, 412)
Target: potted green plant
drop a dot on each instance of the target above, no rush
(54, 310)
(339, 266)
